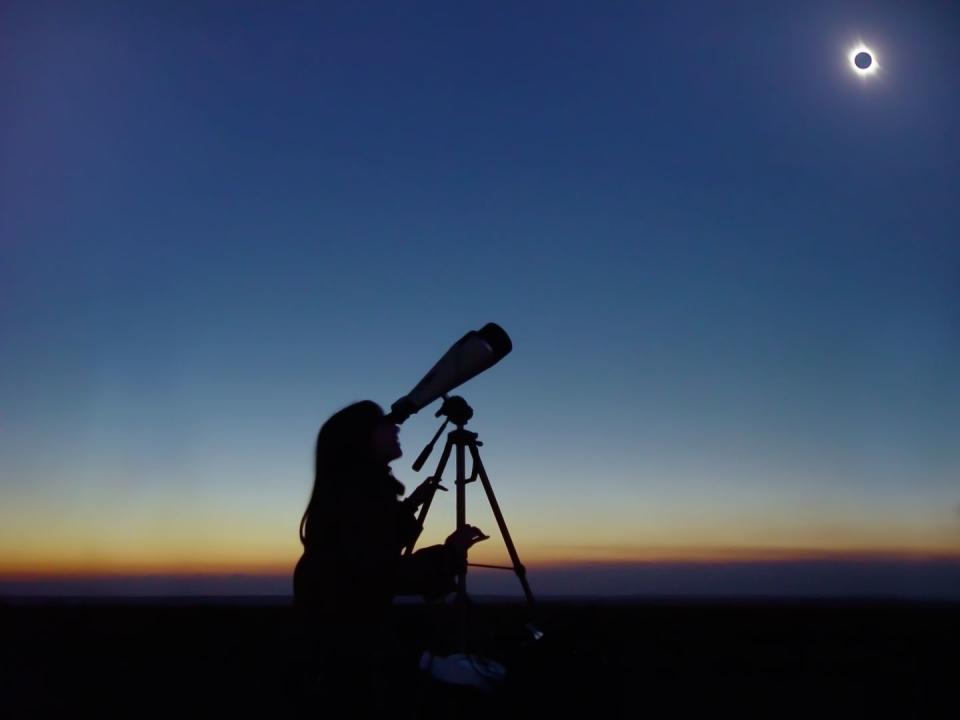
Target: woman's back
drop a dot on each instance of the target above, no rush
(351, 546)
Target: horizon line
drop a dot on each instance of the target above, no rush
(714, 558)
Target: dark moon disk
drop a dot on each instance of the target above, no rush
(863, 60)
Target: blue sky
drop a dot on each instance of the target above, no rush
(728, 265)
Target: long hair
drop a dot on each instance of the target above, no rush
(343, 455)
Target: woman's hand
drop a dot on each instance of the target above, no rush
(464, 538)
(421, 493)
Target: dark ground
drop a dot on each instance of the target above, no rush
(596, 659)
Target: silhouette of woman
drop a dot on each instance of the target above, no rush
(353, 531)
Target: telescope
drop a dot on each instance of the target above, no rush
(475, 352)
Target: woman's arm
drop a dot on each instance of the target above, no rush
(432, 571)
(407, 527)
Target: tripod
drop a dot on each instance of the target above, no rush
(456, 409)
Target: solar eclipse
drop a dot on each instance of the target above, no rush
(863, 60)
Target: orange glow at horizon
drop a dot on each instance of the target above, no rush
(253, 539)
(51, 568)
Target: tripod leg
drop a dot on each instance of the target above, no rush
(461, 522)
(421, 518)
(518, 567)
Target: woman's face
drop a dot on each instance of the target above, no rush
(386, 441)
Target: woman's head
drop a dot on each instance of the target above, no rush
(358, 436)
(354, 444)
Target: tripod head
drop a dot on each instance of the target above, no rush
(455, 408)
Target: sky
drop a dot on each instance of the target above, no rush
(728, 264)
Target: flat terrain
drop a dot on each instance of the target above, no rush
(602, 659)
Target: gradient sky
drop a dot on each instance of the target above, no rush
(728, 264)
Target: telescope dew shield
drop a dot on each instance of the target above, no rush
(469, 356)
